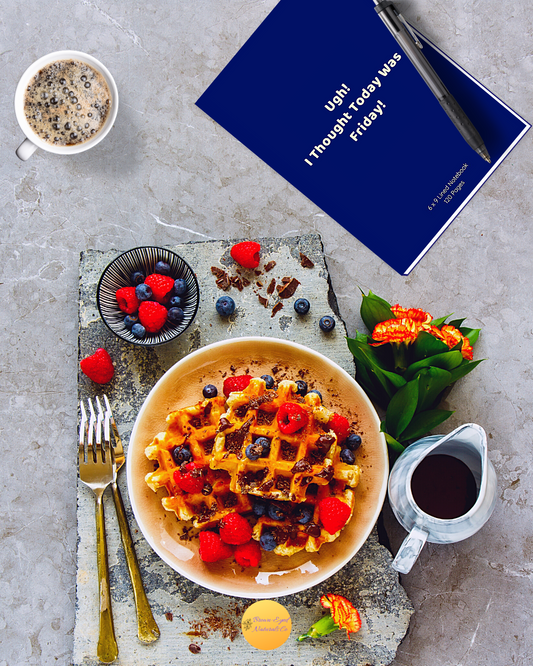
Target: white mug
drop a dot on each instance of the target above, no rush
(32, 141)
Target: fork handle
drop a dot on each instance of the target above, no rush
(107, 649)
(147, 629)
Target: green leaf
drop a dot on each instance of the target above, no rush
(471, 333)
(394, 444)
(427, 345)
(448, 361)
(457, 322)
(374, 310)
(394, 378)
(423, 422)
(401, 408)
(441, 321)
(370, 373)
(431, 383)
(464, 369)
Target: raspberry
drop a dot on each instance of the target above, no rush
(340, 426)
(246, 254)
(152, 316)
(291, 418)
(238, 383)
(212, 548)
(161, 286)
(235, 529)
(190, 477)
(98, 367)
(126, 299)
(248, 554)
(333, 514)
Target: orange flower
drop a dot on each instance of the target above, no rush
(452, 336)
(344, 614)
(411, 313)
(396, 330)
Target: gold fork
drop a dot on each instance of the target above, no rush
(96, 472)
(147, 629)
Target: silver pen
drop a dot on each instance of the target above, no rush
(412, 46)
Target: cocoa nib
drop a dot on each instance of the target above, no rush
(302, 465)
(222, 278)
(270, 266)
(271, 286)
(276, 309)
(263, 300)
(289, 288)
(305, 262)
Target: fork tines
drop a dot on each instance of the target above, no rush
(95, 430)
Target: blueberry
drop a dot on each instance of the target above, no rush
(210, 391)
(175, 315)
(264, 443)
(162, 268)
(253, 452)
(143, 292)
(301, 306)
(277, 512)
(175, 302)
(303, 513)
(138, 330)
(327, 323)
(225, 306)
(180, 287)
(130, 320)
(181, 454)
(137, 278)
(317, 392)
(269, 381)
(347, 456)
(352, 442)
(267, 541)
(302, 387)
(259, 507)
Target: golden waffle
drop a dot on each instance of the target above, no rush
(194, 428)
(290, 535)
(310, 455)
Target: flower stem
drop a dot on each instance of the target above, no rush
(320, 628)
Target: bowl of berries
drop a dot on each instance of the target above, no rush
(256, 467)
(148, 296)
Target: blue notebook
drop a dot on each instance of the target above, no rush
(325, 96)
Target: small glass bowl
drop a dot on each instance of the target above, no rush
(118, 274)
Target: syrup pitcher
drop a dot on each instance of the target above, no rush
(442, 490)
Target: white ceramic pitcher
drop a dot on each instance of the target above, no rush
(468, 443)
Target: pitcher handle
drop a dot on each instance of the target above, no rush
(409, 550)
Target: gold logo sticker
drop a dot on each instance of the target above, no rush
(266, 625)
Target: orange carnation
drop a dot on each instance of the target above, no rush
(452, 336)
(396, 330)
(411, 313)
(344, 614)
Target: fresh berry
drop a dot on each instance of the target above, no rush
(301, 306)
(291, 417)
(352, 442)
(152, 316)
(327, 323)
(267, 541)
(225, 306)
(210, 391)
(303, 513)
(248, 554)
(237, 383)
(340, 426)
(175, 302)
(259, 507)
(127, 300)
(246, 254)
(98, 367)
(137, 278)
(190, 477)
(143, 292)
(161, 286)
(181, 454)
(317, 392)
(234, 529)
(162, 268)
(269, 381)
(347, 456)
(253, 452)
(302, 387)
(180, 287)
(130, 320)
(138, 330)
(212, 548)
(277, 511)
(264, 443)
(175, 315)
(333, 514)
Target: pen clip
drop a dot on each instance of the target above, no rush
(384, 4)
(410, 31)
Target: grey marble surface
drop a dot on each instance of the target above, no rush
(167, 174)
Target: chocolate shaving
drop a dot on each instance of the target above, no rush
(288, 290)
(276, 309)
(271, 286)
(302, 465)
(326, 473)
(223, 424)
(236, 282)
(305, 262)
(263, 300)
(270, 266)
(235, 439)
(223, 280)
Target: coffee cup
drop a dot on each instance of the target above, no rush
(65, 103)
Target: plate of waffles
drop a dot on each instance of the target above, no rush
(256, 467)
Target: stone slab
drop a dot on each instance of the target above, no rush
(185, 612)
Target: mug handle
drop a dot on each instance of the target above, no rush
(26, 150)
(409, 550)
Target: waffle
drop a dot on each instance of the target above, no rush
(194, 427)
(290, 535)
(309, 456)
